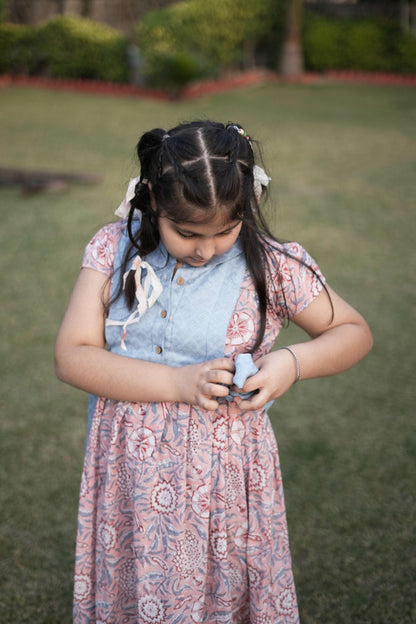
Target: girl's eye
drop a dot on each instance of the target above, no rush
(183, 235)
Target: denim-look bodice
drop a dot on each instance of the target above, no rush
(188, 322)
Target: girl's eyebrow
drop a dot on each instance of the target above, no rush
(187, 231)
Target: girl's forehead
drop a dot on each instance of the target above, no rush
(219, 217)
(213, 223)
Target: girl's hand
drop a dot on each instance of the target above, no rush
(277, 373)
(199, 384)
(340, 338)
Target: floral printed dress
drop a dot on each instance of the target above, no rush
(182, 517)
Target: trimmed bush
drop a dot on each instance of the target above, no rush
(324, 43)
(18, 49)
(65, 47)
(172, 70)
(74, 47)
(210, 35)
(406, 54)
(366, 47)
(363, 45)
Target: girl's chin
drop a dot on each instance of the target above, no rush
(196, 262)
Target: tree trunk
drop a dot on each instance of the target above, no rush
(404, 15)
(291, 60)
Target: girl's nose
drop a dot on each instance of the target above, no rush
(205, 249)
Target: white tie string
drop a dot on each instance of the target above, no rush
(148, 290)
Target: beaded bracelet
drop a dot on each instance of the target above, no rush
(296, 360)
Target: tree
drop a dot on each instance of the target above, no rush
(291, 59)
(408, 15)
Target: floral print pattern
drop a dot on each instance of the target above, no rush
(102, 252)
(182, 517)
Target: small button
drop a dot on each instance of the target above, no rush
(180, 281)
(163, 314)
(158, 350)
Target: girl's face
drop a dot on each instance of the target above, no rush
(196, 243)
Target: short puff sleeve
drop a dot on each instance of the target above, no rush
(100, 252)
(295, 279)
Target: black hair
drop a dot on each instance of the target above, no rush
(200, 166)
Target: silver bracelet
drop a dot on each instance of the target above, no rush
(296, 360)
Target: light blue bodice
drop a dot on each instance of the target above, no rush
(188, 322)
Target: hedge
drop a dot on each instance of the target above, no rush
(18, 49)
(65, 47)
(203, 37)
(363, 45)
(194, 39)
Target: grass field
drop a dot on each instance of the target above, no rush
(343, 162)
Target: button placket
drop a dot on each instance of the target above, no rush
(161, 325)
(172, 309)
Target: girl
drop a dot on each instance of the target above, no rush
(182, 517)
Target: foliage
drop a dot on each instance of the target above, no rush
(17, 49)
(219, 33)
(324, 42)
(175, 69)
(75, 47)
(406, 49)
(3, 5)
(65, 47)
(364, 45)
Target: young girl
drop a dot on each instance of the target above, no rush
(182, 517)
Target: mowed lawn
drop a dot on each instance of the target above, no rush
(343, 163)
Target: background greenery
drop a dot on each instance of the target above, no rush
(210, 36)
(194, 39)
(64, 47)
(342, 160)
(362, 44)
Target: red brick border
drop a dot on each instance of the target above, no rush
(378, 78)
(209, 87)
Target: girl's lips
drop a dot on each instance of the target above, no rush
(196, 261)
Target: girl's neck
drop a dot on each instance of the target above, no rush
(178, 265)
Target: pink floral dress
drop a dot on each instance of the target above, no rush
(182, 517)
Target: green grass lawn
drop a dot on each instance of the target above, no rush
(343, 162)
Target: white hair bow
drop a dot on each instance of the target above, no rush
(260, 179)
(124, 208)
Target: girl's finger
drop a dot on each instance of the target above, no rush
(220, 377)
(253, 383)
(218, 390)
(207, 403)
(257, 401)
(225, 364)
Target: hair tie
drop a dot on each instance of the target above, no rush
(165, 136)
(240, 130)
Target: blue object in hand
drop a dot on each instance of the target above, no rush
(244, 368)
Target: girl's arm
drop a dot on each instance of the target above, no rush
(82, 360)
(335, 346)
